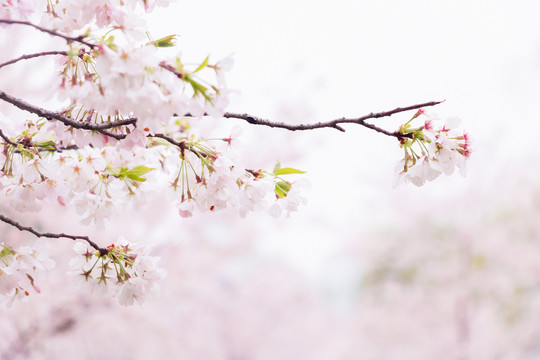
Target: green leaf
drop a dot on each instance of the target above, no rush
(137, 172)
(282, 188)
(279, 192)
(199, 89)
(136, 178)
(276, 167)
(287, 171)
(109, 42)
(202, 66)
(49, 145)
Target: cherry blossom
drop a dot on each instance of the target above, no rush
(124, 271)
(430, 152)
(20, 271)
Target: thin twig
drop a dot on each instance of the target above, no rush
(181, 145)
(102, 251)
(56, 148)
(6, 139)
(78, 39)
(30, 56)
(336, 124)
(170, 68)
(29, 145)
(49, 115)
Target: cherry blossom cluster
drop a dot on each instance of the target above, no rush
(130, 128)
(128, 273)
(20, 270)
(430, 152)
(199, 174)
(209, 179)
(129, 113)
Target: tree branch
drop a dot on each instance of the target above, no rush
(104, 127)
(30, 56)
(181, 145)
(78, 39)
(102, 251)
(171, 68)
(336, 124)
(28, 144)
(6, 139)
(56, 148)
(49, 115)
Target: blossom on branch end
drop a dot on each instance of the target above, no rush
(124, 271)
(430, 152)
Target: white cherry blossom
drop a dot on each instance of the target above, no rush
(124, 270)
(432, 151)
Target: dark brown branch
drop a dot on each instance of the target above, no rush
(170, 68)
(25, 142)
(104, 127)
(102, 251)
(336, 124)
(110, 134)
(6, 139)
(78, 39)
(28, 145)
(181, 145)
(57, 149)
(49, 115)
(30, 56)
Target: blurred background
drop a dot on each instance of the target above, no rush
(366, 271)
